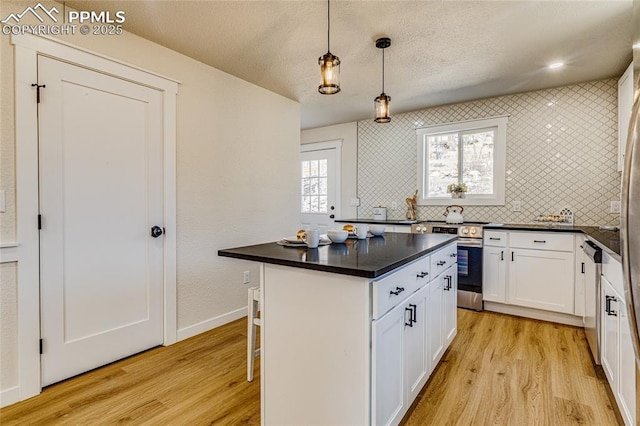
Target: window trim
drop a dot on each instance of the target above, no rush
(499, 161)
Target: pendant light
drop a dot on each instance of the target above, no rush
(329, 66)
(381, 103)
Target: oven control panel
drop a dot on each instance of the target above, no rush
(467, 231)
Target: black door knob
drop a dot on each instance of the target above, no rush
(156, 231)
(331, 216)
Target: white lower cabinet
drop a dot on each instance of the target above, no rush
(401, 359)
(436, 323)
(530, 269)
(450, 302)
(617, 355)
(410, 339)
(542, 279)
(494, 274)
(388, 367)
(416, 345)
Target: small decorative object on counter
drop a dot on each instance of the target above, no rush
(411, 206)
(564, 218)
(379, 213)
(457, 190)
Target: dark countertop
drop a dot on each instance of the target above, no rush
(608, 240)
(368, 258)
(379, 222)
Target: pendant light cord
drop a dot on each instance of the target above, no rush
(328, 24)
(382, 70)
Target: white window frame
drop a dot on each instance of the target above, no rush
(499, 162)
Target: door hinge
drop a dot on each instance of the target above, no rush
(38, 87)
(41, 346)
(39, 221)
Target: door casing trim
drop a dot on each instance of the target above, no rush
(27, 49)
(331, 144)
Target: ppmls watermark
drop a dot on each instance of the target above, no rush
(81, 21)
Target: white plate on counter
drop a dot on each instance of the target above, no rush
(288, 243)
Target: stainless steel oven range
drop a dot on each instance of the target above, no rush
(469, 258)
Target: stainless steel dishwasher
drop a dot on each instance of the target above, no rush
(592, 270)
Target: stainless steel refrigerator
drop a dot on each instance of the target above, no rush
(630, 217)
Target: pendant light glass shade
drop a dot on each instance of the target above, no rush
(382, 108)
(329, 65)
(330, 74)
(381, 103)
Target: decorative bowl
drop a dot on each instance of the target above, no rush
(338, 236)
(376, 230)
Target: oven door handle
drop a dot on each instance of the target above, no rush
(470, 244)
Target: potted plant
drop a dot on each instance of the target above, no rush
(457, 190)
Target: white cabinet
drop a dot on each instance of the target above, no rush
(625, 103)
(618, 359)
(580, 271)
(450, 302)
(494, 267)
(400, 358)
(610, 303)
(416, 346)
(627, 364)
(541, 279)
(443, 314)
(388, 365)
(530, 269)
(411, 329)
(436, 323)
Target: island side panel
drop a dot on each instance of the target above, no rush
(315, 348)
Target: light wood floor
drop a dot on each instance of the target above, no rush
(499, 370)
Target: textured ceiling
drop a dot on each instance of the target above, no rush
(442, 51)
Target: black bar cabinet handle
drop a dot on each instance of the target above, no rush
(410, 323)
(539, 241)
(397, 292)
(495, 239)
(512, 256)
(610, 311)
(414, 308)
(501, 254)
(583, 267)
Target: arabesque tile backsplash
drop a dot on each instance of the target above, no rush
(561, 153)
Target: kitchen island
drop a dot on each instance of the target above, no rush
(351, 332)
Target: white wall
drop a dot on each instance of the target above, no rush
(348, 134)
(237, 178)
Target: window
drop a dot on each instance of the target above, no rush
(469, 152)
(314, 186)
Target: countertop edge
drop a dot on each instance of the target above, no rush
(370, 274)
(380, 222)
(283, 262)
(558, 228)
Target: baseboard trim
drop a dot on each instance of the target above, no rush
(9, 396)
(538, 314)
(210, 324)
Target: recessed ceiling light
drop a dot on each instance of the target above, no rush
(556, 65)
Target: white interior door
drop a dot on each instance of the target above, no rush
(101, 174)
(319, 173)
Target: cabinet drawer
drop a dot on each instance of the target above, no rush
(389, 291)
(542, 241)
(419, 274)
(612, 271)
(442, 259)
(495, 238)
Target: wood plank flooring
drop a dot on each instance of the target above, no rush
(500, 370)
